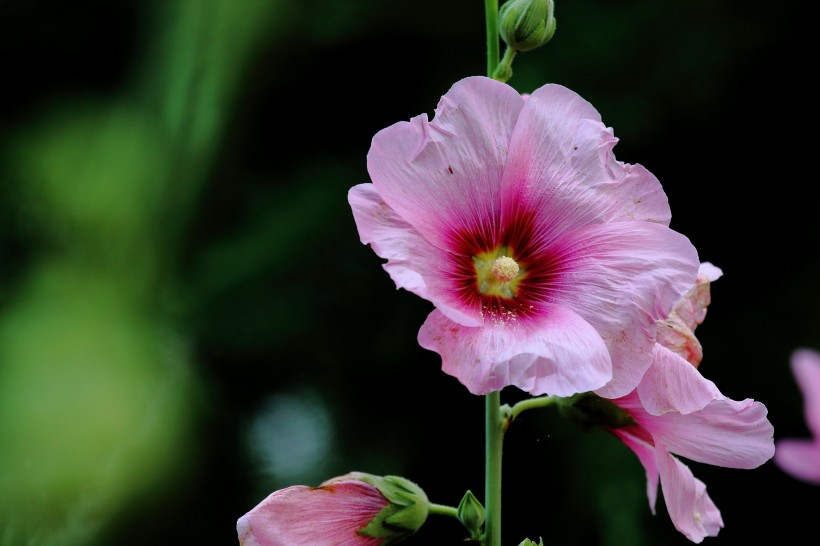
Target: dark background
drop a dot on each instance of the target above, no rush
(188, 320)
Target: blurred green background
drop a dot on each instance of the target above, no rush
(188, 320)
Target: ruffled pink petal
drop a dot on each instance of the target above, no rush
(561, 165)
(638, 441)
(691, 510)
(330, 515)
(672, 384)
(444, 176)
(806, 369)
(560, 353)
(412, 262)
(622, 277)
(724, 433)
(800, 459)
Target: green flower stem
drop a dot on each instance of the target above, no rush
(503, 71)
(530, 403)
(491, 16)
(443, 510)
(494, 431)
(494, 437)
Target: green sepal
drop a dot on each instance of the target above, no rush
(528, 542)
(406, 512)
(471, 514)
(590, 410)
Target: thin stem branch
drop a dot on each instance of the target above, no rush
(443, 510)
(530, 403)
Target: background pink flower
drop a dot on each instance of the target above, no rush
(801, 458)
(548, 261)
(723, 432)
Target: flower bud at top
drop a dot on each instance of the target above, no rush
(526, 24)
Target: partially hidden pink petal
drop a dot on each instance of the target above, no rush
(691, 510)
(639, 442)
(412, 262)
(800, 459)
(725, 433)
(330, 515)
(692, 307)
(675, 334)
(562, 166)
(677, 331)
(806, 369)
(559, 354)
(710, 271)
(622, 277)
(444, 176)
(673, 385)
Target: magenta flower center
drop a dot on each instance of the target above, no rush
(501, 271)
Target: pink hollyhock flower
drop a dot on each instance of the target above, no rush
(676, 410)
(356, 509)
(801, 458)
(548, 261)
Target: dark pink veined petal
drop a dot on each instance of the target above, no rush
(640, 443)
(413, 263)
(691, 510)
(800, 459)
(725, 433)
(557, 353)
(805, 366)
(622, 277)
(443, 177)
(672, 384)
(330, 515)
(561, 164)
